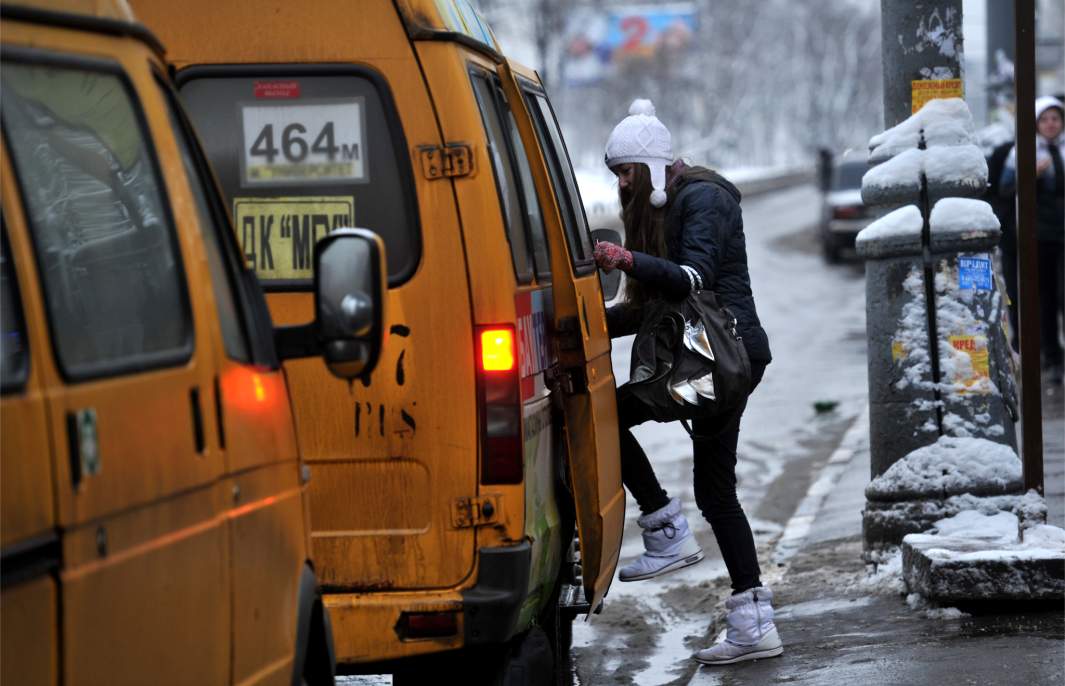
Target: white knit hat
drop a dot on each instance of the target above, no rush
(640, 137)
(1045, 103)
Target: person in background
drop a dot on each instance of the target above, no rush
(684, 232)
(1050, 226)
(1005, 209)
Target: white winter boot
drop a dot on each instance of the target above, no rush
(668, 544)
(751, 634)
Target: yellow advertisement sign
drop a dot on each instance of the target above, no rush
(277, 235)
(976, 348)
(923, 90)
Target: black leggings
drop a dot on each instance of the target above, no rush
(714, 468)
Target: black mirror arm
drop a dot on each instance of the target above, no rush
(294, 342)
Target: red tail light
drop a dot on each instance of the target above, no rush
(413, 625)
(848, 212)
(500, 406)
(497, 350)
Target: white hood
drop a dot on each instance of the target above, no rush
(1046, 102)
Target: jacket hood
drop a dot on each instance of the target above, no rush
(1045, 103)
(695, 174)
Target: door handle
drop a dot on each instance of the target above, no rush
(197, 420)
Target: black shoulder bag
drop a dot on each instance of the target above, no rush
(688, 362)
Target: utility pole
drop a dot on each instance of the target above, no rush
(921, 44)
(1028, 264)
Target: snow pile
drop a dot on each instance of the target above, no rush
(904, 222)
(959, 215)
(945, 121)
(1030, 508)
(918, 602)
(975, 556)
(955, 169)
(971, 536)
(950, 466)
(898, 177)
(884, 577)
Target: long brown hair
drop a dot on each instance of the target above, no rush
(644, 227)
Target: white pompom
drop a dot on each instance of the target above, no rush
(642, 106)
(658, 198)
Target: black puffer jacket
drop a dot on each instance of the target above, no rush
(707, 249)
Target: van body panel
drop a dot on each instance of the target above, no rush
(591, 411)
(364, 624)
(164, 571)
(394, 429)
(266, 530)
(276, 31)
(29, 646)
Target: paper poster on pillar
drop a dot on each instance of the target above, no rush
(923, 90)
(976, 379)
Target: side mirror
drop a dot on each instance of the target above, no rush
(349, 296)
(349, 289)
(610, 281)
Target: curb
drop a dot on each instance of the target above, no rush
(798, 527)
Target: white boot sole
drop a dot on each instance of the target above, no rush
(671, 567)
(757, 655)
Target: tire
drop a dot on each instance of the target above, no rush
(319, 666)
(831, 250)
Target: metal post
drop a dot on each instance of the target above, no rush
(1027, 264)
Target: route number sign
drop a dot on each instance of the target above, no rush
(305, 143)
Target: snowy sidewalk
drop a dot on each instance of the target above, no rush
(840, 625)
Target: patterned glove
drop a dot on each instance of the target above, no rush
(612, 256)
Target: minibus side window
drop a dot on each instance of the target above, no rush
(104, 240)
(14, 348)
(533, 213)
(506, 183)
(222, 282)
(562, 178)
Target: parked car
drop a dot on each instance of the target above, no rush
(447, 484)
(153, 503)
(843, 214)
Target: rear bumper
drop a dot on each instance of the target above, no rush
(490, 608)
(364, 624)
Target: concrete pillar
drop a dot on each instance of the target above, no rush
(902, 415)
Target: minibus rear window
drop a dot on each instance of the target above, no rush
(300, 154)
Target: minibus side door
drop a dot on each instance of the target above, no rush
(585, 377)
